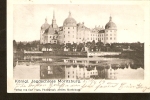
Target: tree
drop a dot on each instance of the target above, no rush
(20, 46)
(28, 46)
(100, 45)
(68, 45)
(92, 45)
(74, 46)
(80, 46)
(14, 44)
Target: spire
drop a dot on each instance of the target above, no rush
(69, 14)
(53, 14)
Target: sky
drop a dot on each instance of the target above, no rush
(28, 19)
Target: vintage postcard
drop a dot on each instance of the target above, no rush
(78, 47)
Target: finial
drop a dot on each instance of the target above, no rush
(53, 14)
(69, 14)
(46, 19)
(110, 18)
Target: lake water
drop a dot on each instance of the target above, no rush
(78, 68)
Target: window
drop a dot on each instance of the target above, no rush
(110, 34)
(114, 38)
(110, 31)
(73, 36)
(64, 27)
(73, 72)
(68, 72)
(73, 27)
(68, 28)
(68, 32)
(68, 76)
(68, 41)
(64, 36)
(110, 38)
(64, 31)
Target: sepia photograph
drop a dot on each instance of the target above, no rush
(78, 47)
(78, 42)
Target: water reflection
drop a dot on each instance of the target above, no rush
(88, 72)
(78, 68)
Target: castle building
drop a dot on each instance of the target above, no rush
(49, 33)
(73, 32)
(79, 73)
(110, 32)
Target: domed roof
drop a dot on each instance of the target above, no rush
(45, 25)
(69, 22)
(110, 24)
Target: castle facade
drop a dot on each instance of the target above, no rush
(73, 32)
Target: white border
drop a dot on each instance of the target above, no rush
(145, 5)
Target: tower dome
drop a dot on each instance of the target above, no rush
(69, 22)
(110, 24)
(45, 25)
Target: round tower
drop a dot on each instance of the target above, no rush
(110, 32)
(69, 29)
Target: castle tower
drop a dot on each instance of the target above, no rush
(110, 32)
(69, 30)
(54, 25)
(44, 27)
